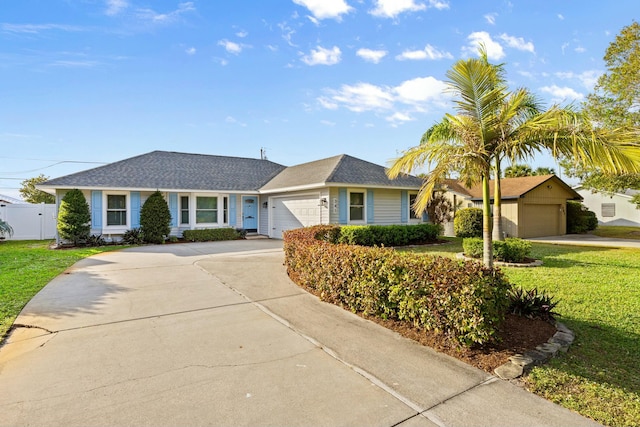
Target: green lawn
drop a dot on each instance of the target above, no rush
(599, 293)
(617, 232)
(25, 267)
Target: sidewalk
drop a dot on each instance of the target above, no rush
(216, 334)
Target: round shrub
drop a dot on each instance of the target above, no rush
(74, 217)
(468, 222)
(155, 219)
(579, 218)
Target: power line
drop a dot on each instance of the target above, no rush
(49, 166)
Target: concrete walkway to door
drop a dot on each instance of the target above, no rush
(216, 334)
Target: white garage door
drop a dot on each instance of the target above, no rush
(294, 212)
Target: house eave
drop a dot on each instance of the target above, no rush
(52, 189)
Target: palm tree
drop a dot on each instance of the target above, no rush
(493, 124)
(464, 143)
(544, 170)
(518, 170)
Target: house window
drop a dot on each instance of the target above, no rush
(608, 210)
(225, 210)
(116, 209)
(206, 210)
(184, 210)
(412, 202)
(356, 206)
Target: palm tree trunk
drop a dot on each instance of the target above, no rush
(498, 232)
(487, 249)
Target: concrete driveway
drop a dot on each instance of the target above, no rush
(216, 334)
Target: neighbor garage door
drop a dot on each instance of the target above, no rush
(293, 212)
(540, 220)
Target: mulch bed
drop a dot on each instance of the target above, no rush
(516, 335)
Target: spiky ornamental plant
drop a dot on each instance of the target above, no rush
(155, 219)
(74, 217)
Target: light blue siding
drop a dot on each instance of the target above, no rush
(135, 209)
(404, 206)
(96, 209)
(370, 216)
(173, 208)
(232, 210)
(343, 206)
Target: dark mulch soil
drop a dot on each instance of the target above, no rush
(517, 335)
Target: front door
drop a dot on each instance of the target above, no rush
(250, 213)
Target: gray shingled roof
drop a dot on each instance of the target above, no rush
(179, 171)
(342, 169)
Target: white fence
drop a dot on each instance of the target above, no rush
(30, 222)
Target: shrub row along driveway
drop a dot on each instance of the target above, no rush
(216, 334)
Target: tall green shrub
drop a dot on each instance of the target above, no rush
(155, 219)
(74, 217)
(468, 222)
(579, 218)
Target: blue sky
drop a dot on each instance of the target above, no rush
(89, 81)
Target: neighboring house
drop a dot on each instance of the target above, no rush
(532, 206)
(205, 191)
(612, 209)
(8, 200)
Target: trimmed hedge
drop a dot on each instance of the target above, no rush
(511, 249)
(463, 300)
(468, 222)
(211, 234)
(384, 235)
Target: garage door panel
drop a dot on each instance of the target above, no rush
(294, 212)
(541, 220)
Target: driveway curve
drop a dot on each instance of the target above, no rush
(216, 334)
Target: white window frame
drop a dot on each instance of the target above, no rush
(410, 209)
(364, 206)
(180, 210)
(105, 204)
(193, 208)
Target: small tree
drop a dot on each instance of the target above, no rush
(439, 208)
(468, 222)
(74, 217)
(155, 219)
(31, 194)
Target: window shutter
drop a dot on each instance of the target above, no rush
(370, 215)
(343, 205)
(135, 209)
(232, 210)
(173, 208)
(96, 209)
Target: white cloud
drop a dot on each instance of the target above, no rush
(398, 118)
(231, 47)
(363, 97)
(439, 4)
(587, 78)
(580, 49)
(420, 89)
(191, 51)
(322, 56)
(429, 52)
(418, 94)
(491, 18)
(234, 121)
(562, 94)
(560, 17)
(162, 18)
(517, 43)
(287, 33)
(494, 49)
(114, 7)
(37, 28)
(242, 34)
(326, 9)
(327, 123)
(370, 55)
(393, 8)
